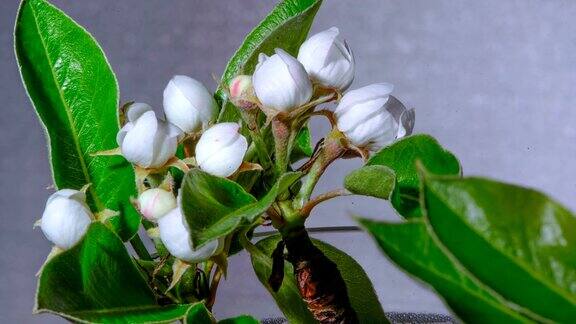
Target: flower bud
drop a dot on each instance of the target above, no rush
(242, 92)
(281, 82)
(145, 140)
(66, 218)
(221, 149)
(328, 59)
(188, 104)
(175, 235)
(363, 117)
(155, 203)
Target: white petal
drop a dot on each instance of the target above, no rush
(165, 144)
(65, 220)
(136, 110)
(122, 133)
(215, 139)
(227, 160)
(355, 115)
(188, 104)
(370, 92)
(175, 235)
(378, 128)
(155, 203)
(328, 59)
(281, 82)
(299, 76)
(138, 144)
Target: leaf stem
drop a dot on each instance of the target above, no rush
(307, 208)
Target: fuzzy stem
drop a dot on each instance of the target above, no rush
(331, 150)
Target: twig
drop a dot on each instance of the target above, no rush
(214, 288)
(307, 208)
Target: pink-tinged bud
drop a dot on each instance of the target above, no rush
(242, 92)
(155, 203)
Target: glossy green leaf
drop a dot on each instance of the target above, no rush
(285, 27)
(199, 314)
(243, 319)
(215, 206)
(75, 94)
(302, 145)
(412, 247)
(97, 281)
(360, 290)
(517, 241)
(402, 156)
(371, 180)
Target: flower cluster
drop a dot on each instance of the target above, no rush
(280, 84)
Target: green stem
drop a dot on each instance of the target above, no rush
(261, 150)
(282, 136)
(140, 248)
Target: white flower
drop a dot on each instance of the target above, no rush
(188, 104)
(155, 203)
(145, 140)
(175, 235)
(363, 117)
(281, 82)
(66, 218)
(221, 149)
(328, 59)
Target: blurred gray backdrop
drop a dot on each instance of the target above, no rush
(494, 81)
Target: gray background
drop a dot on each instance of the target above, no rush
(494, 81)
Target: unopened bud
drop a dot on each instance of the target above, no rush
(175, 235)
(145, 140)
(362, 116)
(155, 203)
(221, 149)
(328, 59)
(242, 92)
(188, 104)
(281, 82)
(66, 218)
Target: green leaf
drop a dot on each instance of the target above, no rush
(402, 156)
(285, 27)
(372, 180)
(75, 94)
(199, 314)
(97, 281)
(517, 241)
(215, 206)
(302, 145)
(412, 247)
(243, 319)
(360, 290)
